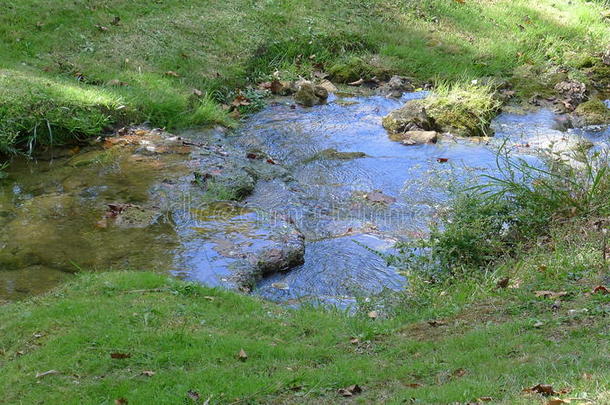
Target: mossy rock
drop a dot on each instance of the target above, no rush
(334, 154)
(592, 112)
(412, 116)
(353, 68)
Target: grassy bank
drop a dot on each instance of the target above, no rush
(183, 341)
(76, 68)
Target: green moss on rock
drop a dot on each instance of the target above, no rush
(593, 112)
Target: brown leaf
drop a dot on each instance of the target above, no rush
(600, 289)
(503, 283)
(46, 373)
(120, 355)
(460, 372)
(350, 391)
(550, 294)
(442, 160)
(148, 373)
(101, 28)
(373, 314)
(543, 389)
(240, 100)
(434, 323)
(557, 401)
(354, 341)
(414, 385)
(587, 376)
(197, 92)
(171, 73)
(485, 399)
(242, 355)
(120, 401)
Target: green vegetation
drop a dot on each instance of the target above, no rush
(465, 110)
(76, 68)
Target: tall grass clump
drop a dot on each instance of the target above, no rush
(465, 109)
(511, 212)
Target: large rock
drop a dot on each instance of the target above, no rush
(396, 86)
(592, 112)
(411, 117)
(309, 94)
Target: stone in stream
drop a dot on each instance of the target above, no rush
(334, 154)
(415, 137)
(573, 92)
(592, 112)
(410, 117)
(309, 94)
(396, 86)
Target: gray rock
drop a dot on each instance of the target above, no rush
(309, 95)
(416, 137)
(411, 117)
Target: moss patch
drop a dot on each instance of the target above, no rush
(593, 112)
(463, 109)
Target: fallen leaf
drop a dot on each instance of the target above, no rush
(485, 399)
(503, 283)
(242, 355)
(460, 372)
(543, 389)
(276, 87)
(350, 391)
(356, 83)
(148, 373)
(197, 92)
(587, 376)
(240, 100)
(434, 323)
(120, 355)
(101, 28)
(373, 314)
(171, 73)
(538, 324)
(354, 341)
(46, 373)
(600, 289)
(442, 160)
(550, 294)
(121, 401)
(414, 385)
(557, 401)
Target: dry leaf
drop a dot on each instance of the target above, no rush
(373, 314)
(557, 401)
(171, 73)
(442, 160)
(414, 385)
(197, 92)
(148, 373)
(460, 372)
(120, 401)
(354, 341)
(356, 83)
(120, 355)
(240, 100)
(543, 389)
(46, 373)
(503, 283)
(600, 289)
(435, 323)
(350, 391)
(485, 399)
(242, 355)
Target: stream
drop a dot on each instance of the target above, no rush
(332, 192)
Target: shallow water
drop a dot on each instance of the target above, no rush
(53, 212)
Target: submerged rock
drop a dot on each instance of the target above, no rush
(334, 154)
(415, 137)
(411, 117)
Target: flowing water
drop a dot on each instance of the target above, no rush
(335, 176)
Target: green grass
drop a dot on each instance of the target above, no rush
(189, 336)
(68, 71)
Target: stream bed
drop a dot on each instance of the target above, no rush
(330, 192)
